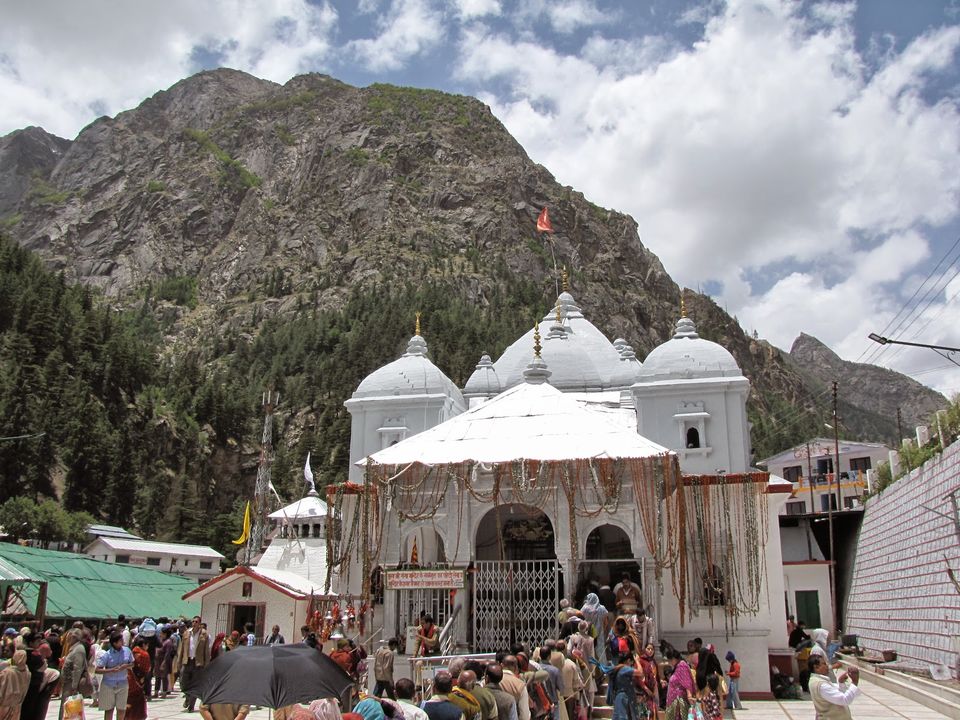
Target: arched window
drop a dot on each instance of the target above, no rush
(693, 438)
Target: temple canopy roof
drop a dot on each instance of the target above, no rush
(529, 421)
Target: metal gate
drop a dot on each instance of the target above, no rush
(514, 601)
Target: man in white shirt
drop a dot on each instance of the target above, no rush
(406, 690)
(832, 700)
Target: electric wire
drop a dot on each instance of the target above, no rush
(874, 352)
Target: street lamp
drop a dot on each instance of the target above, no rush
(942, 350)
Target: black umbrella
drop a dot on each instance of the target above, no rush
(270, 676)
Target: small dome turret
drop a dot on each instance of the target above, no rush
(411, 374)
(687, 356)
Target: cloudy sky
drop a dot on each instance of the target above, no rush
(799, 161)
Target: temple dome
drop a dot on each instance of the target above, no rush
(580, 357)
(483, 382)
(411, 374)
(688, 356)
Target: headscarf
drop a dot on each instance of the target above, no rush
(19, 660)
(326, 709)
(591, 602)
(370, 709)
(820, 637)
(217, 643)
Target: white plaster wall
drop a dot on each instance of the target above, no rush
(368, 415)
(281, 609)
(901, 596)
(809, 576)
(726, 432)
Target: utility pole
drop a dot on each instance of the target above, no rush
(899, 429)
(261, 493)
(835, 474)
(813, 505)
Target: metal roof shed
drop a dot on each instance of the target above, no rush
(81, 588)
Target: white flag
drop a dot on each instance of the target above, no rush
(308, 473)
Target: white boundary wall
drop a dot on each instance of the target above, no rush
(901, 596)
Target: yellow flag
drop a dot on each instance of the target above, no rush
(245, 535)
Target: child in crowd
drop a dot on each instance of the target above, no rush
(710, 699)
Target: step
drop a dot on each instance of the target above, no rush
(941, 698)
(602, 711)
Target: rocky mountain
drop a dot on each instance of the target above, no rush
(285, 234)
(868, 396)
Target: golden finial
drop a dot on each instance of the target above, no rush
(536, 340)
(417, 331)
(559, 318)
(683, 305)
(565, 280)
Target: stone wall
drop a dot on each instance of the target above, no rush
(901, 596)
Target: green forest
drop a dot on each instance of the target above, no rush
(95, 414)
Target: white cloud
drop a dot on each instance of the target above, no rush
(67, 63)
(563, 16)
(767, 146)
(469, 9)
(409, 28)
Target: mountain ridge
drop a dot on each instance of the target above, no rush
(271, 230)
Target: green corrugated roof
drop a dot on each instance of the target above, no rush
(12, 574)
(80, 587)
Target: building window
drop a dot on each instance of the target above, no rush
(793, 474)
(247, 590)
(796, 508)
(186, 562)
(713, 587)
(828, 501)
(861, 464)
(693, 438)
(206, 564)
(122, 559)
(317, 528)
(153, 561)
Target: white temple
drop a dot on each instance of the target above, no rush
(558, 467)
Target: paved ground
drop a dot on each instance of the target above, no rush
(874, 703)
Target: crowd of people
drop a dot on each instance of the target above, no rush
(120, 667)
(596, 655)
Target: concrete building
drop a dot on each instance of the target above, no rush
(193, 561)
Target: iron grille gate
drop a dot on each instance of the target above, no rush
(514, 601)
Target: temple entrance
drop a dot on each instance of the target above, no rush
(516, 579)
(609, 555)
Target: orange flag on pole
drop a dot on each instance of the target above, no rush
(543, 222)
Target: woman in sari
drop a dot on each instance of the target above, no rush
(597, 615)
(136, 698)
(622, 690)
(647, 681)
(680, 689)
(14, 682)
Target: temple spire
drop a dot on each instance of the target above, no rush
(537, 347)
(417, 327)
(565, 280)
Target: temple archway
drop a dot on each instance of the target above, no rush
(422, 547)
(516, 580)
(515, 532)
(609, 554)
